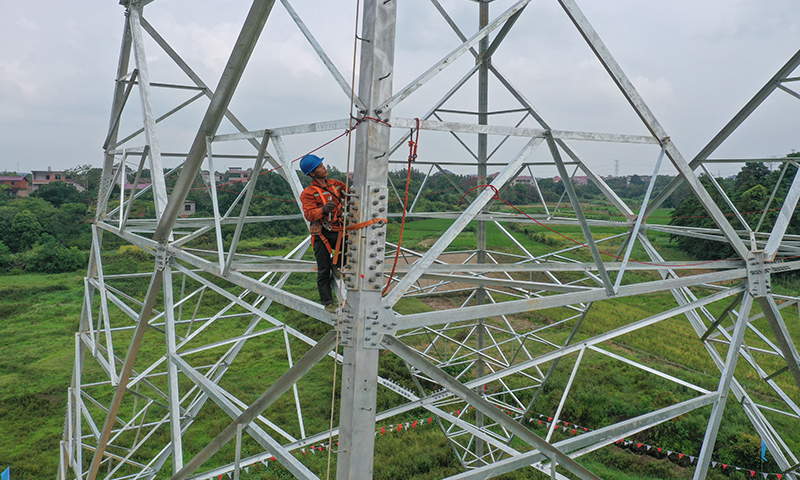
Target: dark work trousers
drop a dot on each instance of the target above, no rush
(325, 265)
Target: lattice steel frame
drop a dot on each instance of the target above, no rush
(107, 421)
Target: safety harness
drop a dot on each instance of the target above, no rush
(334, 222)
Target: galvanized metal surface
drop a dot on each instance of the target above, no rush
(149, 356)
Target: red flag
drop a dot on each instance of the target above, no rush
(639, 445)
(383, 432)
(573, 431)
(399, 427)
(430, 419)
(680, 455)
(566, 423)
(779, 476)
(540, 422)
(549, 419)
(458, 412)
(414, 425)
(724, 466)
(752, 473)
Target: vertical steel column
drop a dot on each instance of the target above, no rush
(360, 364)
(483, 143)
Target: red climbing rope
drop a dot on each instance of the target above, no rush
(413, 141)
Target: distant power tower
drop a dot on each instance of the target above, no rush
(616, 168)
(161, 387)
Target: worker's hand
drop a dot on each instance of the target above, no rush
(328, 207)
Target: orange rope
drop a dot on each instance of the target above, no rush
(413, 141)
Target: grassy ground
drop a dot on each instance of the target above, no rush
(40, 315)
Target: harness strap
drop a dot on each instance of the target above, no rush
(340, 236)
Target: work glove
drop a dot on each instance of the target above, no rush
(328, 207)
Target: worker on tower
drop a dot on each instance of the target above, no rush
(322, 207)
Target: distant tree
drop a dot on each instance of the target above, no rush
(58, 193)
(752, 174)
(749, 190)
(86, 176)
(24, 232)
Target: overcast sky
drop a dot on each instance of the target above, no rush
(695, 62)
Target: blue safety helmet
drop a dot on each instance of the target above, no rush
(309, 163)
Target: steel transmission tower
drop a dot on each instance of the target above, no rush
(157, 390)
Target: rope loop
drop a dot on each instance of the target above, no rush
(413, 142)
(375, 120)
(496, 195)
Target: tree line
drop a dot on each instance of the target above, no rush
(750, 191)
(50, 231)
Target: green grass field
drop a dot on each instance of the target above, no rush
(40, 315)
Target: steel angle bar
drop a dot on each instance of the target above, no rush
(414, 358)
(790, 91)
(156, 164)
(246, 419)
(778, 183)
(295, 302)
(590, 441)
(120, 97)
(399, 122)
(545, 266)
(731, 126)
(296, 372)
(655, 372)
(451, 57)
(727, 200)
(125, 373)
(722, 316)
(611, 334)
(285, 162)
(474, 208)
(421, 188)
(116, 115)
(251, 185)
(124, 217)
(726, 377)
(164, 116)
(639, 219)
(245, 43)
(540, 303)
(107, 185)
(576, 207)
(652, 124)
(783, 160)
(499, 282)
(782, 335)
(783, 220)
(598, 181)
(172, 373)
(215, 205)
(564, 396)
(175, 86)
(315, 127)
(346, 88)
